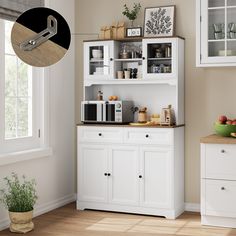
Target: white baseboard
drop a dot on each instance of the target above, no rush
(44, 208)
(192, 207)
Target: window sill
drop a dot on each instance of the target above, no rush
(14, 157)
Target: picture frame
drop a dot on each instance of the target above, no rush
(133, 32)
(159, 21)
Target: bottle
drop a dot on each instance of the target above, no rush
(142, 115)
(100, 96)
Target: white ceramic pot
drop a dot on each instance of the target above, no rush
(21, 222)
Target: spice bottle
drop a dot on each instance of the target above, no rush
(100, 96)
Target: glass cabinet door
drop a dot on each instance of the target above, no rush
(158, 56)
(219, 31)
(99, 60)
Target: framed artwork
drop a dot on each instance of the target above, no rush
(159, 21)
(134, 32)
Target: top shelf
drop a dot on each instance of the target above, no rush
(133, 39)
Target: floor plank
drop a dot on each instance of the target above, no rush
(67, 221)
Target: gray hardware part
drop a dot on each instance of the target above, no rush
(42, 37)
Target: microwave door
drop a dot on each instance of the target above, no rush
(110, 112)
(90, 112)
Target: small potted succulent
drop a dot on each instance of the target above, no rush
(132, 14)
(19, 197)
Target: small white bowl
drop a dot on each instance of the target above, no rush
(96, 53)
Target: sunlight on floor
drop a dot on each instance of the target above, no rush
(157, 226)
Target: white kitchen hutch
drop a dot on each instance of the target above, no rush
(134, 169)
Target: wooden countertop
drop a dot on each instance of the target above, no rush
(132, 126)
(216, 139)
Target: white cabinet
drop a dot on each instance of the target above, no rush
(93, 171)
(98, 60)
(135, 178)
(218, 181)
(124, 181)
(216, 32)
(156, 177)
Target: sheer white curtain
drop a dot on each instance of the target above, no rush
(11, 9)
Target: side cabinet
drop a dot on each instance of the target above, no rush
(135, 178)
(218, 182)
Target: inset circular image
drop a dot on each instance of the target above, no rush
(40, 37)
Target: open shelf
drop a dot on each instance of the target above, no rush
(170, 81)
(128, 60)
(160, 59)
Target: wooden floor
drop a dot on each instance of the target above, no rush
(67, 221)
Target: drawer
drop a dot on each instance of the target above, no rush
(220, 161)
(160, 136)
(100, 134)
(220, 198)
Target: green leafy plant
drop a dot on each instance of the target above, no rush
(19, 195)
(132, 14)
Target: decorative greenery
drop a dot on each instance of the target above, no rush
(159, 23)
(19, 195)
(132, 14)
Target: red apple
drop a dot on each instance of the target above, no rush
(234, 122)
(229, 122)
(222, 119)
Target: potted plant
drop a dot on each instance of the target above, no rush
(19, 197)
(132, 14)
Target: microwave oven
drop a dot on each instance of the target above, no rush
(107, 112)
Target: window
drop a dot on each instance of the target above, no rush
(20, 93)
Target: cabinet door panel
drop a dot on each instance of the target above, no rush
(92, 166)
(124, 179)
(98, 60)
(156, 169)
(160, 58)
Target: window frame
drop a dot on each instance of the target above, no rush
(39, 114)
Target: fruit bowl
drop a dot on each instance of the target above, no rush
(224, 130)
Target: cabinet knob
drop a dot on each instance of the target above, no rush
(147, 136)
(144, 58)
(111, 59)
(100, 134)
(109, 174)
(222, 188)
(105, 174)
(222, 151)
(140, 176)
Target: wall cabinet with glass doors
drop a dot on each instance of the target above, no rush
(155, 60)
(216, 33)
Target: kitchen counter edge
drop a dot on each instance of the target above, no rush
(216, 139)
(131, 126)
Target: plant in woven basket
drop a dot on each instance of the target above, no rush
(132, 14)
(19, 197)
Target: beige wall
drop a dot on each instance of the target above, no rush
(209, 92)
